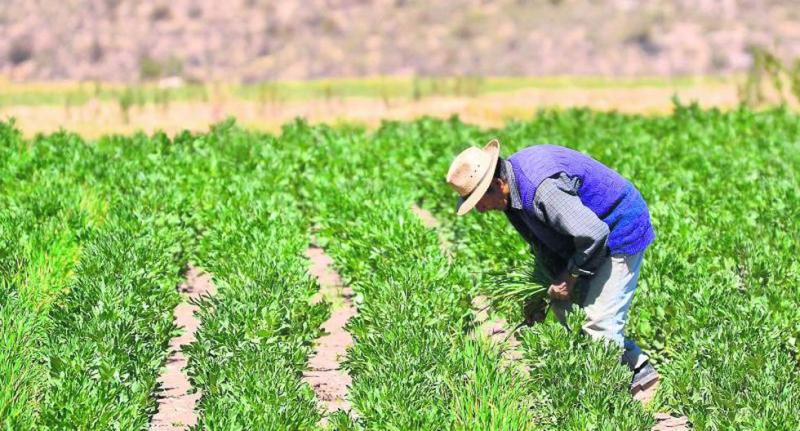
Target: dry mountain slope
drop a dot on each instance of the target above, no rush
(260, 39)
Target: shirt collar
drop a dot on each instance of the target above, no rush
(508, 174)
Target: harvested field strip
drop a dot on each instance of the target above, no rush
(325, 373)
(176, 405)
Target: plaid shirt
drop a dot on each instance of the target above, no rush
(558, 205)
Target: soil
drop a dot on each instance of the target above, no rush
(667, 422)
(325, 374)
(664, 421)
(176, 406)
(647, 395)
(427, 218)
(497, 330)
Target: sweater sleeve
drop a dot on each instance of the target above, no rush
(558, 205)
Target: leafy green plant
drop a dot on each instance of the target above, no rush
(508, 291)
(697, 174)
(257, 332)
(414, 315)
(583, 379)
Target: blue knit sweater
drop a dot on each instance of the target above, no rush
(613, 198)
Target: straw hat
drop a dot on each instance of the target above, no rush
(471, 173)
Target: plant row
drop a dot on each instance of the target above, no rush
(94, 240)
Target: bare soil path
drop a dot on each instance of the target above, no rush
(427, 218)
(176, 406)
(325, 374)
(497, 330)
(431, 222)
(667, 422)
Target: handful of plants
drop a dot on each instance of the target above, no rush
(527, 288)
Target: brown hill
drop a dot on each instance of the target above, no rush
(125, 40)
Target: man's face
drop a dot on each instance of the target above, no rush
(496, 197)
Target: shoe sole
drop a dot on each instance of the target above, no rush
(645, 384)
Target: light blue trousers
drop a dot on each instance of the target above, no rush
(608, 297)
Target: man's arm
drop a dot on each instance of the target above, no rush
(557, 204)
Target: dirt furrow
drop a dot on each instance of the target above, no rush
(176, 406)
(325, 374)
(667, 422)
(497, 331)
(430, 221)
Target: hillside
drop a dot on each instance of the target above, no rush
(125, 40)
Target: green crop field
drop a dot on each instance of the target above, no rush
(96, 235)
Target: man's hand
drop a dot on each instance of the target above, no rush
(561, 289)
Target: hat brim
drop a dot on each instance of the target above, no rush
(466, 203)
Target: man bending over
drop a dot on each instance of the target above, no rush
(585, 223)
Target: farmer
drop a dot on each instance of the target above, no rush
(587, 226)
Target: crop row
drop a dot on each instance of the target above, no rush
(716, 305)
(93, 237)
(40, 231)
(566, 370)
